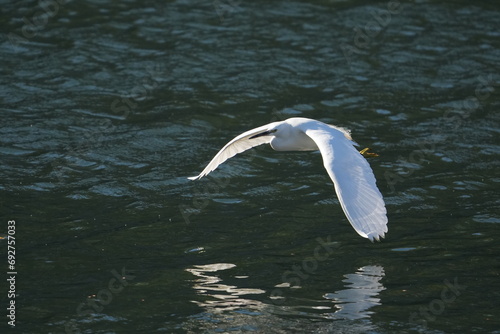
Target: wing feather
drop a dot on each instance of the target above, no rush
(239, 144)
(353, 179)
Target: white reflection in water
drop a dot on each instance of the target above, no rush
(224, 297)
(361, 294)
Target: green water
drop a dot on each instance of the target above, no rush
(108, 106)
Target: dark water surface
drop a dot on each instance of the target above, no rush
(107, 106)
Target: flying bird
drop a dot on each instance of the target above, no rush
(351, 174)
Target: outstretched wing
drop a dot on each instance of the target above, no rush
(239, 144)
(353, 179)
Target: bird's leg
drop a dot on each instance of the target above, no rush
(364, 152)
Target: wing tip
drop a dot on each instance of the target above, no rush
(375, 236)
(194, 178)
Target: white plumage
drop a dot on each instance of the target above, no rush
(351, 174)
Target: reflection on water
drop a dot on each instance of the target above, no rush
(222, 297)
(361, 294)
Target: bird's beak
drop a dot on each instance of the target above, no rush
(265, 133)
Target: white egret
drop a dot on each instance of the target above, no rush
(351, 174)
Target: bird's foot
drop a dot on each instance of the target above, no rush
(364, 152)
